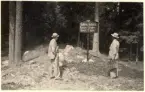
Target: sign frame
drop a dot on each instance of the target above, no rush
(84, 26)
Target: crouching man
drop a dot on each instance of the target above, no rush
(113, 56)
(54, 71)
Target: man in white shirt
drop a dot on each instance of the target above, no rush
(114, 51)
(54, 70)
(114, 47)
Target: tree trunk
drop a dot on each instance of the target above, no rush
(96, 34)
(137, 53)
(78, 43)
(130, 55)
(18, 34)
(11, 31)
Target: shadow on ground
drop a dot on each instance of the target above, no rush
(98, 68)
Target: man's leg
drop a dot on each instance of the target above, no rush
(56, 68)
(110, 66)
(117, 67)
(51, 68)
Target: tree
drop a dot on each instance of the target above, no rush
(96, 34)
(53, 17)
(60, 17)
(134, 28)
(107, 24)
(11, 31)
(18, 33)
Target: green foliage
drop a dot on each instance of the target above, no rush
(130, 37)
(108, 15)
(66, 16)
(60, 18)
(134, 25)
(53, 17)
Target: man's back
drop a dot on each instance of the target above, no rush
(52, 48)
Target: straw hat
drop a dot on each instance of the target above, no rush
(55, 35)
(115, 35)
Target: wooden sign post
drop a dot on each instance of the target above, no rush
(88, 38)
(87, 27)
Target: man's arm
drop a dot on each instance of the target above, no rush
(53, 47)
(116, 49)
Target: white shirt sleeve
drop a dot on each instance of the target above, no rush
(53, 46)
(116, 47)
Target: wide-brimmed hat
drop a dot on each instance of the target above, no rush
(55, 35)
(115, 35)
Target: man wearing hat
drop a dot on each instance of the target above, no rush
(114, 49)
(54, 70)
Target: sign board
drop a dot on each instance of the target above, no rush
(88, 27)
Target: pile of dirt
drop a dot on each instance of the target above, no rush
(74, 54)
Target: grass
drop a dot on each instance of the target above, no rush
(89, 68)
(99, 68)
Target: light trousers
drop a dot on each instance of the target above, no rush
(54, 70)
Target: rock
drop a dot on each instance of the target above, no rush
(26, 52)
(5, 63)
(67, 49)
(90, 60)
(80, 57)
(61, 57)
(32, 62)
(85, 60)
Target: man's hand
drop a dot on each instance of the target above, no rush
(114, 56)
(57, 49)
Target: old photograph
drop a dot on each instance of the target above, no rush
(60, 45)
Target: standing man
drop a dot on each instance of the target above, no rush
(114, 51)
(54, 70)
